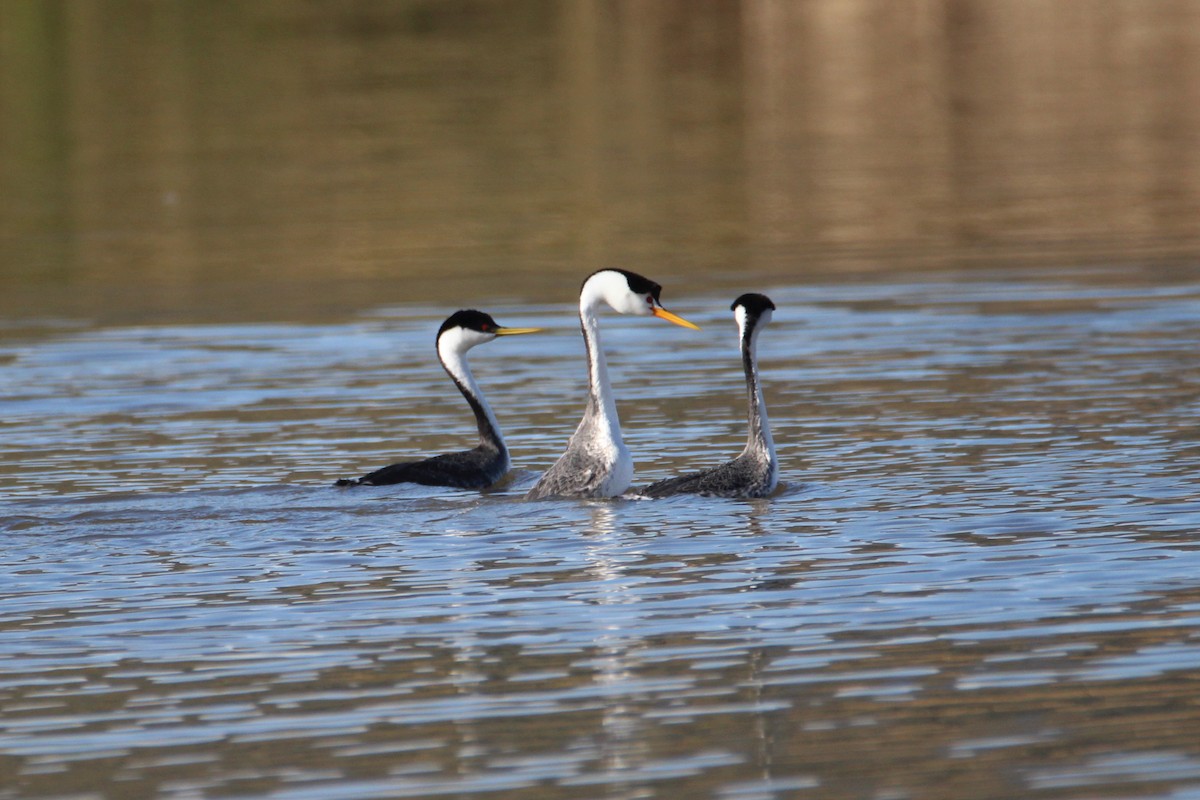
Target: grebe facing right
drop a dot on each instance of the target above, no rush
(597, 463)
(483, 465)
(755, 472)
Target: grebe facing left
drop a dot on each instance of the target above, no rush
(484, 464)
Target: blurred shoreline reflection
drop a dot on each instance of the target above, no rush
(196, 160)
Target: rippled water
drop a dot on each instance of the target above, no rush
(982, 578)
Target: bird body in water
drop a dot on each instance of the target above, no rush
(488, 462)
(754, 473)
(597, 463)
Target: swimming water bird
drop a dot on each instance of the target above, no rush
(755, 472)
(597, 463)
(482, 465)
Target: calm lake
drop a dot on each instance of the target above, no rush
(229, 233)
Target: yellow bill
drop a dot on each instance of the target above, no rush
(662, 313)
(500, 331)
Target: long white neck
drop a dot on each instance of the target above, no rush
(602, 406)
(453, 355)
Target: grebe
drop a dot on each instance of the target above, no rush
(755, 472)
(597, 463)
(484, 464)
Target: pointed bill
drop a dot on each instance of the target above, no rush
(662, 313)
(502, 331)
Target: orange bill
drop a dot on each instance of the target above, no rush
(662, 313)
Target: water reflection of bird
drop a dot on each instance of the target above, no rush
(597, 463)
(482, 465)
(755, 472)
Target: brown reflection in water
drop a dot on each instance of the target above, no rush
(1032, 129)
(199, 160)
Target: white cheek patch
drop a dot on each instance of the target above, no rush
(613, 288)
(624, 301)
(739, 315)
(473, 338)
(457, 341)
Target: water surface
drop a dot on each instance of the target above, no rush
(229, 231)
(979, 581)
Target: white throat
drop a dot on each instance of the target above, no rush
(601, 402)
(452, 347)
(600, 429)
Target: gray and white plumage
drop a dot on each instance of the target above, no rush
(597, 463)
(482, 465)
(754, 473)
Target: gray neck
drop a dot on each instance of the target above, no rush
(759, 441)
